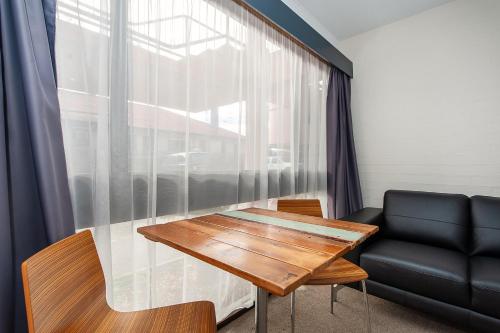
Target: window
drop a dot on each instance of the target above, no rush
(173, 108)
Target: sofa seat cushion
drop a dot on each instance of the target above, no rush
(485, 283)
(425, 270)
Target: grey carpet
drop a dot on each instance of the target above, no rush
(313, 315)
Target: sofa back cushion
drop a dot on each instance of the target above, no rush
(428, 218)
(485, 212)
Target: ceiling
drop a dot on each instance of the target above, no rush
(342, 19)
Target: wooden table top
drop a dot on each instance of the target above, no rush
(274, 250)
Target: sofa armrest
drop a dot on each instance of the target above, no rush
(368, 215)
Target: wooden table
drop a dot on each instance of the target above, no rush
(276, 251)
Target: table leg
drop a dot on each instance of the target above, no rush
(261, 310)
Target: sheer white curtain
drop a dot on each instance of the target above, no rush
(177, 108)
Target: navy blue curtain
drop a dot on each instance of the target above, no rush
(344, 190)
(35, 207)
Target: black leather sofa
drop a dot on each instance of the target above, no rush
(438, 253)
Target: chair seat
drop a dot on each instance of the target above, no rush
(340, 271)
(196, 317)
(425, 270)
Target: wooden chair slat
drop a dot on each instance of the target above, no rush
(310, 207)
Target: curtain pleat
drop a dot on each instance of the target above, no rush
(35, 207)
(344, 190)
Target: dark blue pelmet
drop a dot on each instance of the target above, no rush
(282, 15)
(35, 207)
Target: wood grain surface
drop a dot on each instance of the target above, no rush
(365, 229)
(271, 257)
(65, 292)
(294, 255)
(283, 235)
(340, 271)
(310, 207)
(272, 274)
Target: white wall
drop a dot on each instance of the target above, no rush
(310, 19)
(426, 101)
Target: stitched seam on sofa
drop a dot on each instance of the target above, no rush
(421, 218)
(495, 228)
(486, 289)
(420, 272)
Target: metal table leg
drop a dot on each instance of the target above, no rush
(292, 314)
(261, 311)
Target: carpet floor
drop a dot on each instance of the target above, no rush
(313, 315)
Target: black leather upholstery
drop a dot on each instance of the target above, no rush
(455, 314)
(482, 323)
(430, 218)
(485, 283)
(485, 212)
(367, 215)
(438, 253)
(422, 269)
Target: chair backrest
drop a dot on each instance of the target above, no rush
(485, 212)
(437, 219)
(311, 207)
(62, 282)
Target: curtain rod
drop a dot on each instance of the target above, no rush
(286, 21)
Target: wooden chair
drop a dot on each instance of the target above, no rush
(338, 272)
(65, 291)
(310, 207)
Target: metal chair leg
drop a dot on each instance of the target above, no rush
(368, 321)
(292, 314)
(333, 297)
